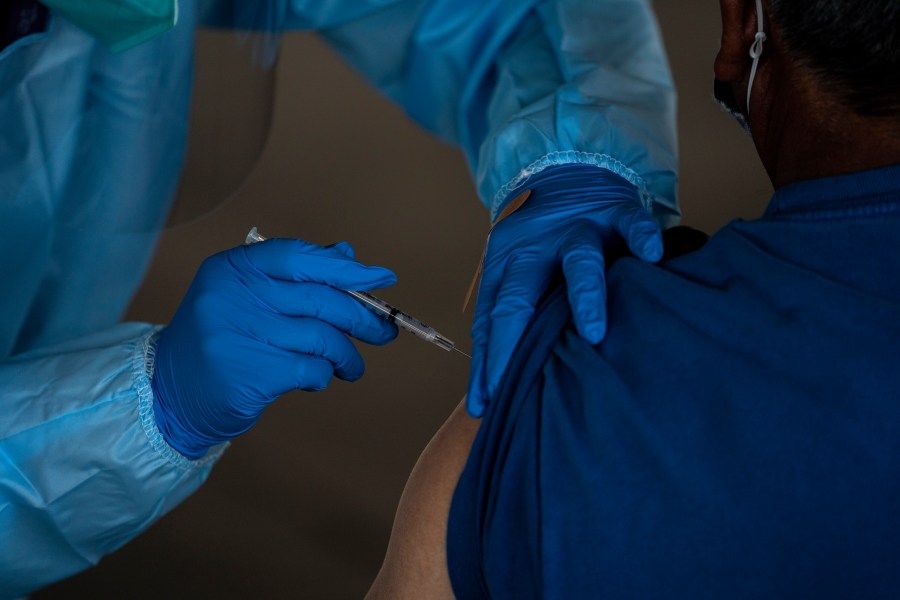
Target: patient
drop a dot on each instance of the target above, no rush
(737, 433)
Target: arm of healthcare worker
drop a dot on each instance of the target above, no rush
(84, 467)
(534, 91)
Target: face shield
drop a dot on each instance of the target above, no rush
(230, 116)
(130, 142)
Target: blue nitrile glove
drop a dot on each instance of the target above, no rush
(574, 214)
(259, 321)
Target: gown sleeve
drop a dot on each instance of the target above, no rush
(83, 467)
(519, 85)
(91, 145)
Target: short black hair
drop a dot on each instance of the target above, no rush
(852, 46)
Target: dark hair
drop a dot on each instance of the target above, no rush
(852, 46)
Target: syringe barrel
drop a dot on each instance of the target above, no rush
(403, 320)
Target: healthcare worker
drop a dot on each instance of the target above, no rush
(105, 426)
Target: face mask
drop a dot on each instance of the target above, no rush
(724, 95)
(119, 24)
(722, 91)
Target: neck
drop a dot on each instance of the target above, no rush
(803, 133)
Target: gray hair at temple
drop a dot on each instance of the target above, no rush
(852, 47)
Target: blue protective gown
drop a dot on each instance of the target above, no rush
(93, 139)
(735, 435)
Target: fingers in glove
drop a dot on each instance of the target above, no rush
(344, 248)
(525, 280)
(640, 231)
(335, 307)
(477, 396)
(476, 393)
(306, 338)
(313, 374)
(296, 260)
(584, 269)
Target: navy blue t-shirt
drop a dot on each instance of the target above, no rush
(736, 435)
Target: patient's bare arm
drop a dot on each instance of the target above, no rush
(415, 565)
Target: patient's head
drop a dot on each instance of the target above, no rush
(851, 47)
(825, 97)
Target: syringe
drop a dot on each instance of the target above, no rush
(391, 313)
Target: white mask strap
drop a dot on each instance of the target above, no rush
(756, 50)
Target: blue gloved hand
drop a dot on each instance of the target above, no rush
(259, 321)
(575, 213)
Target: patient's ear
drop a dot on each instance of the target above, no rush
(738, 31)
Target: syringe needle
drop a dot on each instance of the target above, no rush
(461, 352)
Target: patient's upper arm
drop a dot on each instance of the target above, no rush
(415, 565)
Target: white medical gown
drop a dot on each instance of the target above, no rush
(89, 138)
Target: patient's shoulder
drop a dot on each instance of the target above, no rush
(415, 565)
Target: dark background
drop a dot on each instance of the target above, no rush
(302, 505)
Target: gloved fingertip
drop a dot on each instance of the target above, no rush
(353, 375)
(589, 312)
(313, 387)
(655, 251)
(650, 247)
(387, 276)
(351, 367)
(475, 393)
(377, 278)
(344, 248)
(474, 406)
(493, 379)
(394, 332)
(594, 332)
(387, 335)
(314, 374)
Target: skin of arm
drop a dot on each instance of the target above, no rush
(415, 564)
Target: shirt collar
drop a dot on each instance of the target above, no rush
(839, 192)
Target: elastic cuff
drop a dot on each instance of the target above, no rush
(575, 157)
(143, 363)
